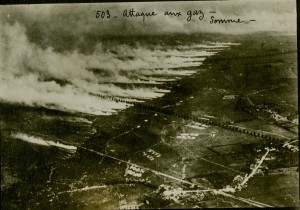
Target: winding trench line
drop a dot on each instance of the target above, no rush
(133, 164)
(215, 191)
(253, 172)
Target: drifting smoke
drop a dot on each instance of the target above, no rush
(42, 142)
(69, 80)
(53, 56)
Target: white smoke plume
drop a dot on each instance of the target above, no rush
(42, 142)
(69, 80)
(53, 56)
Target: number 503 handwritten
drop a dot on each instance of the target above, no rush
(103, 14)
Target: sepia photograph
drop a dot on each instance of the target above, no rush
(149, 105)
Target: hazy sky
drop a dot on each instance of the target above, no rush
(76, 24)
